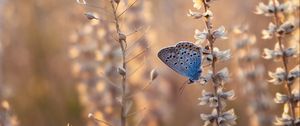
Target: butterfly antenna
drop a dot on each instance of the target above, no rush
(182, 87)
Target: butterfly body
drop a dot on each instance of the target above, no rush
(184, 58)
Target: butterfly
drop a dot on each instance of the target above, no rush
(184, 58)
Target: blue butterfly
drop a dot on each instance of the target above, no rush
(184, 58)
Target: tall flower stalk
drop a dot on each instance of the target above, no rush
(251, 76)
(127, 50)
(217, 98)
(280, 30)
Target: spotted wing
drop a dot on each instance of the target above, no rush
(184, 58)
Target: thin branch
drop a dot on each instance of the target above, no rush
(211, 43)
(127, 9)
(121, 41)
(284, 61)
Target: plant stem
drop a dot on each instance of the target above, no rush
(123, 49)
(285, 62)
(211, 43)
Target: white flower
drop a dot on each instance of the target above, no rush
(245, 41)
(250, 56)
(205, 78)
(195, 15)
(209, 118)
(289, 52)
(296, 95)
(227, 118)
(281, 98)
(273, 54)
(294, 74)
(239, 29)
(221, 76)
(285, 7)
(208, 98)
(278, 77)
(286, 28)
(229, 95)
(222, 55)
(268, 33)
(269, 10)
(219, 33)
(286, 120)
(200, 36)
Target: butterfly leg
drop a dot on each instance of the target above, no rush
(182, 87)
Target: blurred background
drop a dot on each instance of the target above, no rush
(56, 66)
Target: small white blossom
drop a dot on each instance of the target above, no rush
(205, 78)
(219, 55)
(296, 95)
(286, 120)
(227, 118)
(219, 33)
(222, 55)
(285, 7)
(229, 95)
(289, 52)
(268, 33)
(250, 56)
(281, 98)
(269, 10)
(294, 74)
(245, 41)
(273, 54)
(278, 77)
(285, 28)
(208, 98)
(239, 29)
(195, 15)
(221, 76)
(200, 36)
(209, 118)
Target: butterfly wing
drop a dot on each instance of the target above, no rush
(184, 58)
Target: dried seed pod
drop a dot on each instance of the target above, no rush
(122, 71)
(153, 74)
(122, 37)
(90, 16)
